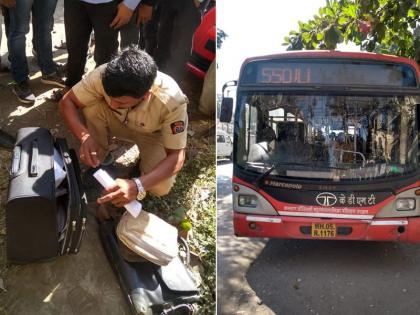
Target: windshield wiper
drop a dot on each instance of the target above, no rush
(259, 179)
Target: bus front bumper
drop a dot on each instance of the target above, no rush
(290, 227)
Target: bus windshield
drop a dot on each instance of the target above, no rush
(324, 136)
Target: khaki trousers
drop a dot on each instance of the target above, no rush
(102, 123)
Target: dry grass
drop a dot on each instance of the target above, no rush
(4, 183)
(193, 198)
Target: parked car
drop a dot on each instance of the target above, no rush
(204, 44)
(224, 144)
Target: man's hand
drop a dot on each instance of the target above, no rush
(8, 3)
(124, 191)
(123, 16)
(91, 153)
(144, 13)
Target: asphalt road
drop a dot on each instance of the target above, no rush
(260, 276)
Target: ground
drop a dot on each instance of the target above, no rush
(234, 255)
(84, 283)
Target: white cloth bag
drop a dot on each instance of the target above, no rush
(149, 236)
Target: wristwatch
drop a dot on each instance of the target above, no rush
(141, 193)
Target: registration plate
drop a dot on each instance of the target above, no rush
(324, 230)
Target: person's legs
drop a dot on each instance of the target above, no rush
(148, 33)
(78, 28)
(164, 34)
(43, 18)
(186, 20)
(19, 17)
(152, 153)
(130, 33)
(102, 123)
(142, 41)
(106, 38)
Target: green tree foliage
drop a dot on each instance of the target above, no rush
(221, 35)
(383, 26)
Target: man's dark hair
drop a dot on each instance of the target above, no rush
(130, 74)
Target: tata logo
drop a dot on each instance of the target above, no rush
(326, 199)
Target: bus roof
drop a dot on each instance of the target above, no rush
(307, 54)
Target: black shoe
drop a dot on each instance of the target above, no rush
(53, 79)
(61, 69)
(24, 93)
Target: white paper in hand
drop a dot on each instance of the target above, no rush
(133, 207)
(59, 172)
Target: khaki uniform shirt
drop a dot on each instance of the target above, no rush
(164, 112)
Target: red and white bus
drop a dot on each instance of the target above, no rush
(326, 146)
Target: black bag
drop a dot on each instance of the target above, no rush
(149, 288)
(43, 222)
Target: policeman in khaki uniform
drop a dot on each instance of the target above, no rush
(129, 99)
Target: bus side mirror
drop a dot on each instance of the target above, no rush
(226, 110)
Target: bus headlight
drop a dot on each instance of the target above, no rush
(404, 204)
(247, 201)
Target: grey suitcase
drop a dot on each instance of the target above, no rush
(43, 222)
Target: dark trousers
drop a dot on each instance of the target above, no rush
(130, 33)
(177, 23)
(80, 18)
(6, 20)
(43, 19)
(148, 32)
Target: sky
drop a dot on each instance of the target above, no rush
(256, 28)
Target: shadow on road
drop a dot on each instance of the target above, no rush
(233, 258)
(337, 277)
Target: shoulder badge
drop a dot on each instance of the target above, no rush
(177, 127)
